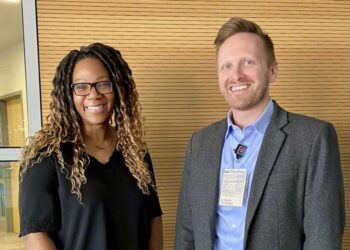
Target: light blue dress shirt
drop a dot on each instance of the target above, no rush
(231, 220)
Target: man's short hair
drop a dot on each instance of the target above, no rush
(238, 25)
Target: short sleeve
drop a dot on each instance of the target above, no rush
(154, 205)
(38, 198)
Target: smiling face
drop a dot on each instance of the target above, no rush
(94, 108)
(243, 72)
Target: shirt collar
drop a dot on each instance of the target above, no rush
(260, 124)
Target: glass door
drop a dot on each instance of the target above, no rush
(20, 112)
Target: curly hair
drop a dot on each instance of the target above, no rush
(63, 124)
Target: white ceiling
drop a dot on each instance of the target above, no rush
(10, 22)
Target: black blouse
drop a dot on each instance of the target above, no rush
(114, 213)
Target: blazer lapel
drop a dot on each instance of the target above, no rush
(211, 174)
(272, 142)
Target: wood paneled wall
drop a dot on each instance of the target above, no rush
(169, 46)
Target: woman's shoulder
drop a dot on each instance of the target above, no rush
(67, 149)
(49, 157)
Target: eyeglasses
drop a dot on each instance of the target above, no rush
(84, 88)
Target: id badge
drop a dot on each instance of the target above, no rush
(233, 187)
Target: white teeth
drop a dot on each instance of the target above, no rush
(94, 107)
(238, 88)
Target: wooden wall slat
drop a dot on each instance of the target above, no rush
(169, 47)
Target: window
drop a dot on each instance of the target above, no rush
(20, 111)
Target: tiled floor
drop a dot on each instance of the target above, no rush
(10, 241)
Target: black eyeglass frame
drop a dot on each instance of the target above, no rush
(93, 84)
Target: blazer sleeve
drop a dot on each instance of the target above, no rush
(184, 230)
(324, 212)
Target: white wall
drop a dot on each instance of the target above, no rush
(12, 75)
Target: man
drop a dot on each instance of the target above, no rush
(262, 178)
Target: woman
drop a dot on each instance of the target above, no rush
(86, 177)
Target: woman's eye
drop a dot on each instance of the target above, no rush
(81, 86)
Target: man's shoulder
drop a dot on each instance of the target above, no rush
(297, 119)
(211, 129)
(305, 120)
(304, 126)
(210, 137)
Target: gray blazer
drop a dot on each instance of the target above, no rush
(297, 194)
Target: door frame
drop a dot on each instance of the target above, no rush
(6, 219)
(30, 41)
